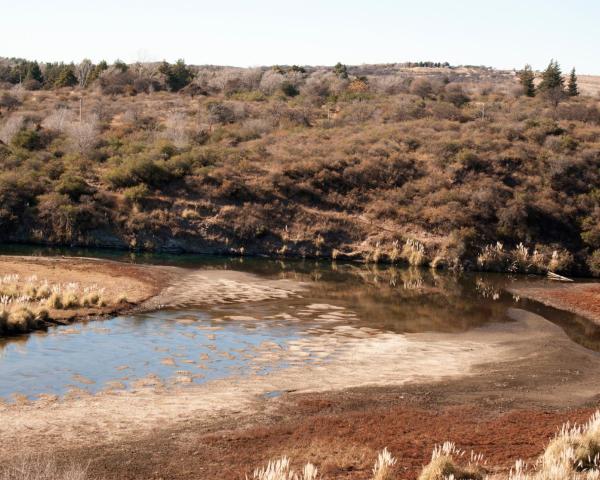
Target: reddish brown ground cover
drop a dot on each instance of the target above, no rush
(339, 432)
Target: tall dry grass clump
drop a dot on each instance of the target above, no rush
(383, 466)
(414, 252)
(446, 464)
(280, 469)
(574, 452)
(495, 257)
(40, 469)
(24, 303)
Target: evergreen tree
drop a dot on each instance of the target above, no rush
(341, 70)
(552, 77)
(552, 86)
(51, 73)
(121, 65)
(66, 77)
(97, 71)
(526, 77)
(572, 88)
(177, 75)
(34, 72)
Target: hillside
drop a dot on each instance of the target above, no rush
(395, 163)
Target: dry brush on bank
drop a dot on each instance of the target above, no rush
(379, 163)
(26, 303)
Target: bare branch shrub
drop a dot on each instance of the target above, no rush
(11, 127)
(58, 120)
(176, 129)
(83, 135)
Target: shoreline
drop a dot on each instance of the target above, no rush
(132, 284)
(359, 255)
(500, 397)
(579, 298)
(234, 425)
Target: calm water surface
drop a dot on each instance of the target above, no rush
(205, 342)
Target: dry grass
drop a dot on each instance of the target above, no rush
(574, 454)
(25, 303)
(280, 469)
(33, 468)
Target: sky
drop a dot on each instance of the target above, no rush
(503, 34)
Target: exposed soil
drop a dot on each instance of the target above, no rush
(341, 432)
(136, 283)
(506, 403)
(580, 298)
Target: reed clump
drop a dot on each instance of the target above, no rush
(25, 302)
(573, 454)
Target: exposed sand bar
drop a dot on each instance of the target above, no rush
(519, 349)
(135, 283)
(579, 298)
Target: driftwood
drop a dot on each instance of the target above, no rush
(557, 277)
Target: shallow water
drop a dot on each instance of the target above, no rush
(203, 340)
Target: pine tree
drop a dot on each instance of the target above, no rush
(572, 88)
(552, 77)
(177, 75)
(526, 77)
(97, 71)
(66, 77)
(552, 86)
(34, 72)
(341, 70)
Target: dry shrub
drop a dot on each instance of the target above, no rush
(83, 135)
(176, 129)
(11, 127)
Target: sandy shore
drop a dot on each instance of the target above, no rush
(579, 298)
(502, 390)
(485, 391)
(135, 283)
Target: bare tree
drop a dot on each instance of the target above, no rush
(176, 129)
(271, 81)
(11, 127)
(58, 120)
(83, 134)
(83, 72)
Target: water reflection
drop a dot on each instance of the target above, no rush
(211, 340)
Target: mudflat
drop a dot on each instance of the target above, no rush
(502, 389)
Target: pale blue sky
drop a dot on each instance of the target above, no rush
(504, 34)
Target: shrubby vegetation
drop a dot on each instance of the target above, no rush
(421, 164)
